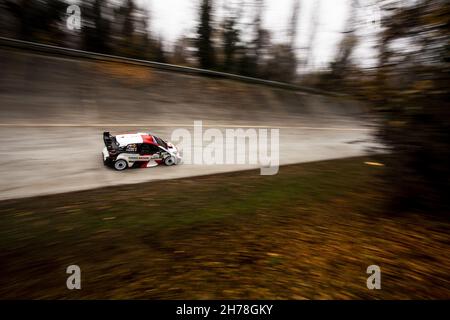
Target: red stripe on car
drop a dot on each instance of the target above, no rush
(148, 139)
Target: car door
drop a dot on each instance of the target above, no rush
(150, 151)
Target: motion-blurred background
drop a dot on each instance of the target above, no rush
(363, 76)
(392, 54)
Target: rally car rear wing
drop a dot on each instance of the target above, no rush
(110, 142)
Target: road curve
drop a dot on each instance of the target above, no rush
(54, 110)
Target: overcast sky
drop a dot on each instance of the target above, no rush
(171, 19)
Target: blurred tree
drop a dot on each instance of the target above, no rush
(293, 25)
(251, 53)
(312, 35)
(128, 24)
(181, 54)
(282, 63)
(341, 65)
(158, 51)
(130, 32)
(36, 20)
(230, 43)
(258, 41)
(140, 41)
(205, 49)
(96, 28)
(413, 93)
(410, 90)
(126, 15)
(342, 61)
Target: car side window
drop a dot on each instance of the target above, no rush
(149, 149)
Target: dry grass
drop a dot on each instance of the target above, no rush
(307, 233)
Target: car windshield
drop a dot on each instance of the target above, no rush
(160, 142)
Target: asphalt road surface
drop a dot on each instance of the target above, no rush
(53, 112)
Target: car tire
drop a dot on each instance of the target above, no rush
(169, 161)
(120, 165)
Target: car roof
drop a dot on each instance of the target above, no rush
(129, 138)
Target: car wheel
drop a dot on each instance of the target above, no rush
(120, 165)
(169, 161)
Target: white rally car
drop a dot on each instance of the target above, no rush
(139, 150)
